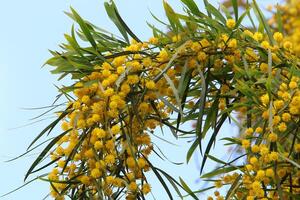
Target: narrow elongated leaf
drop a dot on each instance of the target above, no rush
(215, 12)
(191, 150)
(193, 7)
(44, 152)
(187, 189)
(110, 10)
(211, 141)
(216, 172)
(84, 28)
(161, 180)
(173, 18)
(233, 187)
(49, 128)
(235, 9)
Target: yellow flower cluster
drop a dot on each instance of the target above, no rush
(118, 103)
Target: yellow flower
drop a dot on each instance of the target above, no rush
(249, 131)
(85, 180)
(278, 37)
(245, 144)
(150, 85)
(286, 117)
(282, 127)
(272, 137)
(108, 92)
(146, 188)
(258, 36)
(141, 163)
(253, 160)
(265, 99)
(96, 173)
(110, 159)
(98, 145)
(264, 67)
(273, 156)
(132, 186)
(258, 130)
(255, 148)
(256, 185)
(293, 85)
(288, 45)
(265, 44)
(99, 132)
(153, 40)
(218, 184)
(201, 56)
(130, 162)
(163, 56)
(270, 173)
(260, 175)
(115, 129)
(230, 23)
(297, 148)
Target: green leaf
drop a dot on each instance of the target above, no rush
(44, 152)
(234, 186)
(215, 12)
(202, 100)
(235, 9)
(111, 12)
(187, 189)
(161, 180)
(49, 128)
(216, 172)
(172, 17)
(172, 181)
(241, 18)
(212, 139)
(279, 19)
(85, 29)
(193, 7)
(216, 159)
(124, 25)
(191, 150)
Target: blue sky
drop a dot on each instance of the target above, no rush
(28, 29)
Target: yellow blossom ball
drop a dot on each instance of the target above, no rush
(245, 144)
(265, 99)
(293, 85)
(96, 173)
(98, 145)
(272, 137)
(273, 156)
(115, 129)
(286, 117)
(255, 148)
(264, 67)
(265, 44)
(259, 130)
(282, 127)
(150, 85)
(110, 159)
(297, 148)
(278, 37)
(269, 172)
(132, 186)
(146, 188)
(253, 160)
(230, 23)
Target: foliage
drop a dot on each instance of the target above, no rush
(209, 68)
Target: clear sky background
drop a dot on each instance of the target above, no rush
(28, 29)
